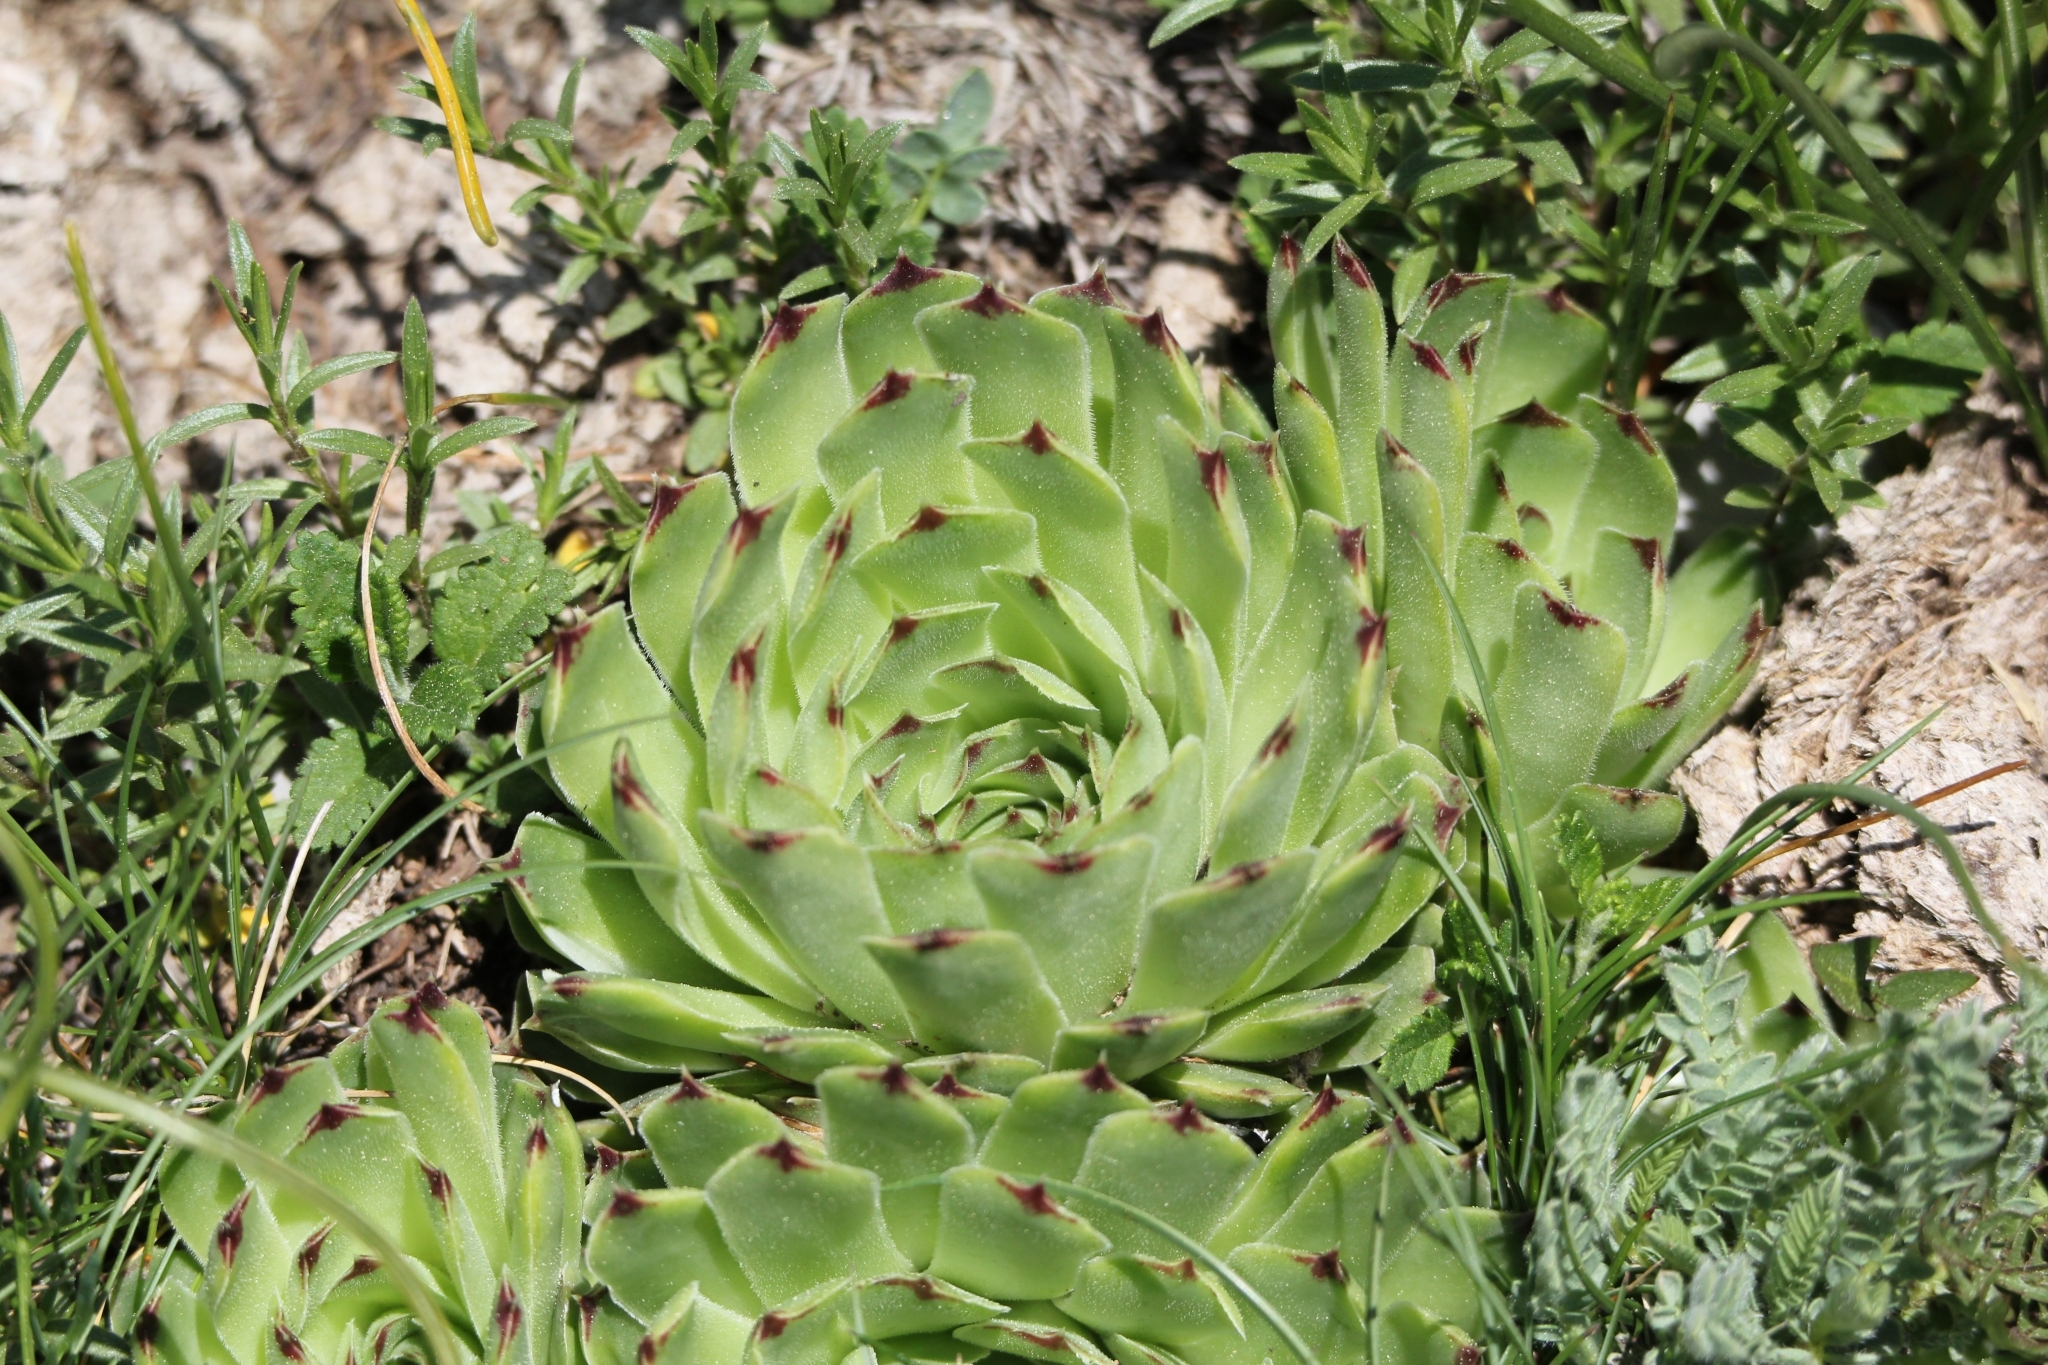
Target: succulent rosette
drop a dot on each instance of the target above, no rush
(1010, 698)
(1057, 1217)
(473, 1169)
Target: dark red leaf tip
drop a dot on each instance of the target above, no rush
(894, 385)
(927, 519)
(1099, 1078)
(417, 1016)
(1633, 428)
(1371, 637)
(1534, 414)
(1351, 545)
(1215, 474)
(933, 940)
(1279, 741)
(1512, 549)
(626, 788)
(1033, 1198)
(1152, 327)
(1448, 288)
(147, 1326)
(785, 1154)
(667, 498)
(1353, 268)
(895, 1080)
(1429, 358)
(1670, 694)
(1468, 354)
(1568, 615)
(1447, 817)
(1095, 289)
(771, 1326)
(288, 1345)
(907, 724)
(437, 1183)
(769, 840)
(905, 274)
(273, 1082)
(1650, 553)
(786, 325)
(1186, 1119)
(309, 1254)
(1754, 636)
(568, 642)
(1063, 864)
(536, 1143)
(746, 527)
(227, 1238)
(902, 628)
(990, 304)
(507, 1316)
(329, 1117)
(1325, 1267)
(1290, 254)
(1325, 1105)
(1387, 837)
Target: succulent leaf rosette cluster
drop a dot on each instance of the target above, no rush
(1024, 702)
(473, 1169)
(1059, 1217)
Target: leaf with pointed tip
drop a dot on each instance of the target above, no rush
(675, 879)
(1631, 488)
(1088, 305)
(1005, 1238)
(1224, 1092)
(1419, 634)
(649, 1244)
(589, 908)
(1196, 943)
(1308, 445)
(908, 428)
(788, 399)
(1079, 913)
(1129, 1044)
(685, 527)
(1083, 524)
(1208, 548)
(813, 889)
(1545, 459)
(886, 1121)
(1554, 698)
(642, 1025)
(796, 1223)
(1153, 382)
(1172, 1302)
(971, 990)
(936, 559)
(879, 333)
(1286, 1025)
(1027, 366)
(1172, 1163)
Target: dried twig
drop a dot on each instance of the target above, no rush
(1742, 921)
(412, 751)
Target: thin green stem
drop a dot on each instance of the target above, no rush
(1677, 53)
(2019, 102)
